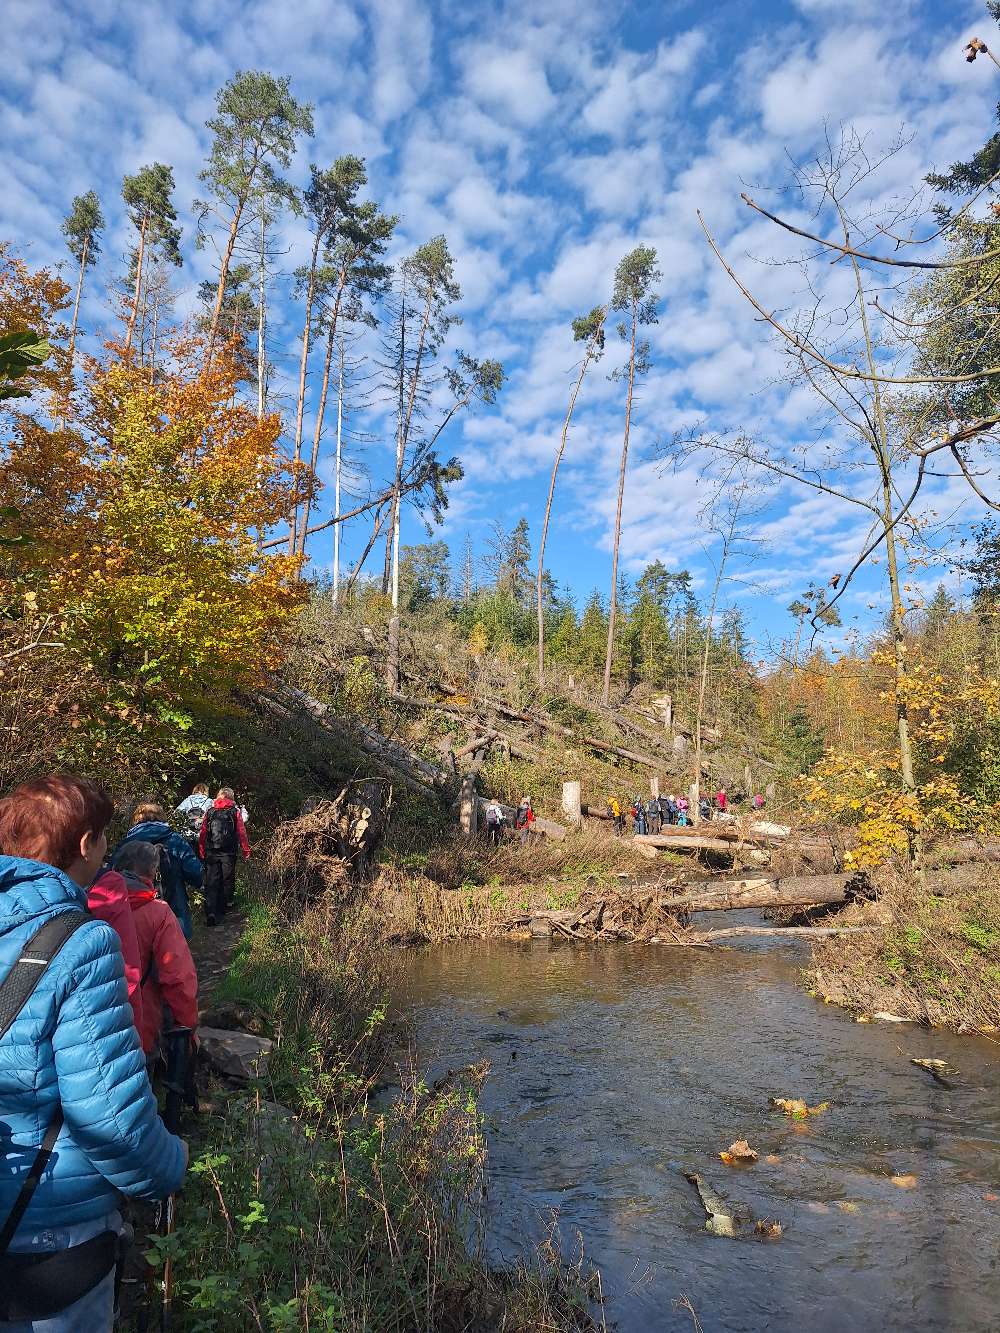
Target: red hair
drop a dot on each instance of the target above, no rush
(45, 820)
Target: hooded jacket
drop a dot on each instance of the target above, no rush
(107, 899)
(224, 803)
(74, 1044)
(167, 965)
(182, 868)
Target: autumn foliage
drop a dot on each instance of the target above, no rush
(130, 563)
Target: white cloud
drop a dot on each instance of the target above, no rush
(511, 81)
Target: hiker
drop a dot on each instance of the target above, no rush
(721, 801)
(671, 809)
(192, 811)
(78, 1121)
(639, 816)
(705, 809)
(615, 811)
(682, 811)
(653, 814)
(169, 977)
(494, 822)
(107, 899)
(524, 819)
(758, 802)
(223, 836)
(180, 867)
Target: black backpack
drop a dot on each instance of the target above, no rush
(220, 831)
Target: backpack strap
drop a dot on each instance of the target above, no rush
(16, 990)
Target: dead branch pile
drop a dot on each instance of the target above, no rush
(332, 845)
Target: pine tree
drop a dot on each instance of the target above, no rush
(81, 229)
(151, 211)
(635, 277)
(256, 128)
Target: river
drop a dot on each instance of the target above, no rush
(614, 1067)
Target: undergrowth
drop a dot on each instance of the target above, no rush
(930, 953)
(313, 1203)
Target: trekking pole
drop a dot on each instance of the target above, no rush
(178, 1052)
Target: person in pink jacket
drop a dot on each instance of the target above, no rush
(107, 899)
(169, 979)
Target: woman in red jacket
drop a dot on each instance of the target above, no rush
(168, 978)
(107, 899)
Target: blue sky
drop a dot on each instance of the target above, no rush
(545, 141)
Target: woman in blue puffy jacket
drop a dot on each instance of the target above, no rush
(72, 1049)
(180, 866)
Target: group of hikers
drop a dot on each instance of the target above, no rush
(650, 816)
(496, 820)
(86, 1014)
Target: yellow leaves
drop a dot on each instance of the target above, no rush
(905, 1182)
(797, 1108)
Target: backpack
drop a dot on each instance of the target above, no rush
(492, 815)
(220, 831)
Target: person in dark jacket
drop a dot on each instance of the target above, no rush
(653, 814)
(72, 1050)
(223, 836)
(180, 868)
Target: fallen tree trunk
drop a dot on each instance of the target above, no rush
(415, 772)
(707, 936)
(734, 894)
(687, 841)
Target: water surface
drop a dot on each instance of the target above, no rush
(615, 1066)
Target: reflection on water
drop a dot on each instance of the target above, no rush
(613, 1067)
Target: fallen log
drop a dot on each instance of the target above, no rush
(734, 894)
(707, 936)
(696, 842)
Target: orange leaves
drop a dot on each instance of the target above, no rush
(739, 1154)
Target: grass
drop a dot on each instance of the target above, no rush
(932, 956)
(312, 1202)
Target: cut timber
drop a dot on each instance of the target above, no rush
(571, 802)
(733, 894)
(695, 842)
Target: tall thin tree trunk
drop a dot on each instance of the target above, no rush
(220, 290)
(392, 661)
(606, 693)
(300, 405)
(140, 256)
(881, 449)
(336, 475)
(387, 568)
(548, 507)
(72, 330)
(320, 415)
(261, 321)
(703, 682)
(76, 303)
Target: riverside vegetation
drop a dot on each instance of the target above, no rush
(155, 630)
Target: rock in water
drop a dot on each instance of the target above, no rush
(236, 1054)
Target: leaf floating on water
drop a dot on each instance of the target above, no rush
(772, 1159)
(847, 1206)
(991, 1198)
(739, 1154)
(796, 1106)
(906, 1182)
(767, 1228)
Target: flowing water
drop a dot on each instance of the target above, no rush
(615, 1067)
